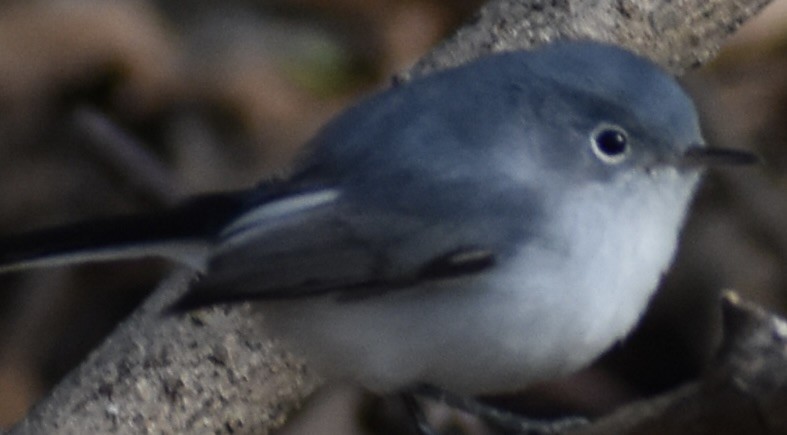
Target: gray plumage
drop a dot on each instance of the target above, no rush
(479, 229)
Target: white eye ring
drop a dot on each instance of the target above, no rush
(610, 143)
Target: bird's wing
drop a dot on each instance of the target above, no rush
(316, 243)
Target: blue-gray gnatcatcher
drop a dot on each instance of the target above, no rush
(480, 229)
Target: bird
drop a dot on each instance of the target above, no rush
(476, 230)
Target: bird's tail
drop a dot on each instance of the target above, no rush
(182, 234)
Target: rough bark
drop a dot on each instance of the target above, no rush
(206, 372)
(678, 34)
(213, 372)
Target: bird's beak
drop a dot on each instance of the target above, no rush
(704, 156)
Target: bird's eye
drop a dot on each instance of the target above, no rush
(610, 143)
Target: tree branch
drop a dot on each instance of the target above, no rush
(195, 373)
(744, 390)
(214, 372)
(679, 35)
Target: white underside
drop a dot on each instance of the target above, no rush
(555, 307)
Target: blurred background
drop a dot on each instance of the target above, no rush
(125, 106)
